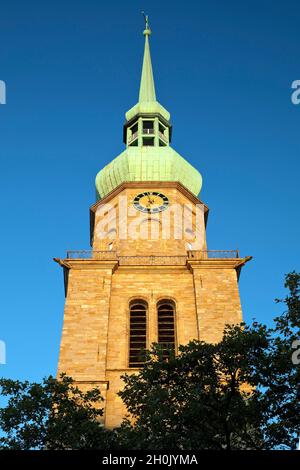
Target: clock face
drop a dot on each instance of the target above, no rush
(151, 202)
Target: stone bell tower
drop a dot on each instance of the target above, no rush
(149, 276)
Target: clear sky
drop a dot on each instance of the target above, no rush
(72, 68)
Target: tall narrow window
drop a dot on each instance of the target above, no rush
(166, 327)
(138, 333)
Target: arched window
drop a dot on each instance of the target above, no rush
(166, 327)
(138, 333)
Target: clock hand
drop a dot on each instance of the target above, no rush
(151, 201)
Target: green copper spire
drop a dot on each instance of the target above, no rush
(147, 87)
(147, 134)
(147, 97)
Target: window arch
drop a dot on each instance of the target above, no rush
(166, 327)
(137, 332)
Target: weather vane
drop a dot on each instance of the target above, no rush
(147, 27)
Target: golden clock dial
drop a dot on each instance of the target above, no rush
(151, 202)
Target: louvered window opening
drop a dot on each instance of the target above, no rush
(138, 338)
(166, 330)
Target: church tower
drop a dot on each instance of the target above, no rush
(149, 276)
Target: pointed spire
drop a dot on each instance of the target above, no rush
(147, 88)
(147, 103)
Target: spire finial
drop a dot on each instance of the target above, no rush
(147, 88)
(147, 30)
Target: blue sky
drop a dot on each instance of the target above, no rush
(224, 71)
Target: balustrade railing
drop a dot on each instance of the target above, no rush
(162, 136)
(207, 254)
(92, 254)
(152, 259)
(133, 136)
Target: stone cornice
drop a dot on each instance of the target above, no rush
(86, 263)
(210, 263)
(191, 264)
(218, 263)
(232, 263)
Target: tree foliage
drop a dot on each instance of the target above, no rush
(54, 414)
(241, 393)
